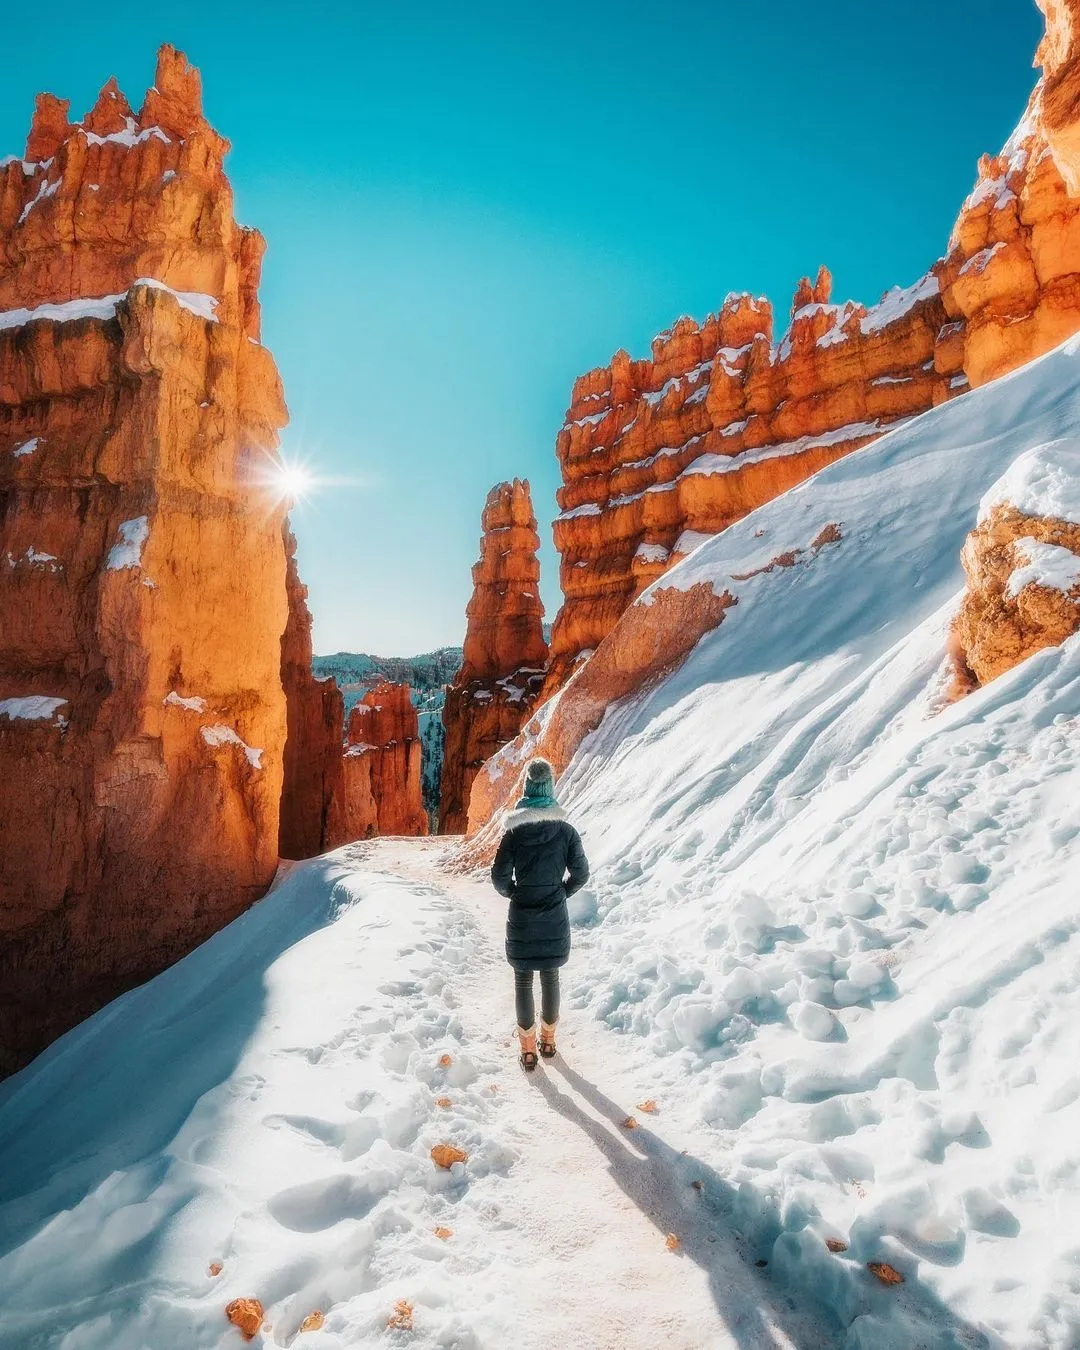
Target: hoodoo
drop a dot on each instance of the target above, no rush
(380, 790)
(658, 453)
(142, 591)
(505, 653)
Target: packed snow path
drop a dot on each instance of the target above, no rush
(587, 1209)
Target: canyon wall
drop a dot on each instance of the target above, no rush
(380, 790)
(142, 564)
(316, 727)
(504, 655)
(657, 453)
(721, 417)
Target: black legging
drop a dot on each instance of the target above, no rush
(549, 997)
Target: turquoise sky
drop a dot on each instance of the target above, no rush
(467, 205)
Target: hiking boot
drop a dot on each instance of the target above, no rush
(527, 1059)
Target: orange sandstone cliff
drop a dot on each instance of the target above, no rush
(722, 417)
(505, 653)
(316, 726)
(142, 565)
(380, 790)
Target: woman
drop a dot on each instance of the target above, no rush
(538, 850)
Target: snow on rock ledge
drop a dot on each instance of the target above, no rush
(1023, 566)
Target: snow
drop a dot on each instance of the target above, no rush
(586, 509)
(269, 1104)
(835, 918)
(652, 553)
(1046, 565)
(711, 463)
(193, 704)
(129, 137)
(127, 551)
(591, 420)
(31, 708)
(688, 541)
(895, 303)
(1043, 481)
(27, 447)
(223, 735)
(978, 262)
(105, 306)
(46, 189)
(831, 934)
(34, 557)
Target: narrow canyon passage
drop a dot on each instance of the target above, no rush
(585, 1212)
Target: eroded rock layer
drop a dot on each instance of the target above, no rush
(380, 778)
(505, 653)
(721, 418)
(316, 728)
(1023, 593)
(142, 567)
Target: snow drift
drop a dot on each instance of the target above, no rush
(843, 916)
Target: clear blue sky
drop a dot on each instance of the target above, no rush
(467, 205)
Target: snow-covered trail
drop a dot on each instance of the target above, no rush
(591, 1203)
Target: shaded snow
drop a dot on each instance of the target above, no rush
(127, 551)
(31, 708)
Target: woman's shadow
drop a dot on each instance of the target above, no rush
(680, 1194)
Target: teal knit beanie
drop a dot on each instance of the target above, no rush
(539, 783)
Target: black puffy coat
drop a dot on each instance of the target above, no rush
(539, 863)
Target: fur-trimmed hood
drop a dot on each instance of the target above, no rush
(532, 815)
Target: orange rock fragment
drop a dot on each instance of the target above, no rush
(884, 1272)
(444, 1102)
(247, 1315)
(672, 1243)
(215, 1268)
(648, 1106)
(445, 1061)
(445, 1155)
(444, 1233)
(835, 1245)
(401, 1317)
(629, 1123)
(314, 1321)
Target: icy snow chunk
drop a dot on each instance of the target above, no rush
(31, 708)
(27, 447)
(1048, 565)
(193, 704)
(1043, 481)
(813, 1021)
(127, 551)
(222, 735)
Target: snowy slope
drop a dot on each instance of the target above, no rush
(841, 918)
